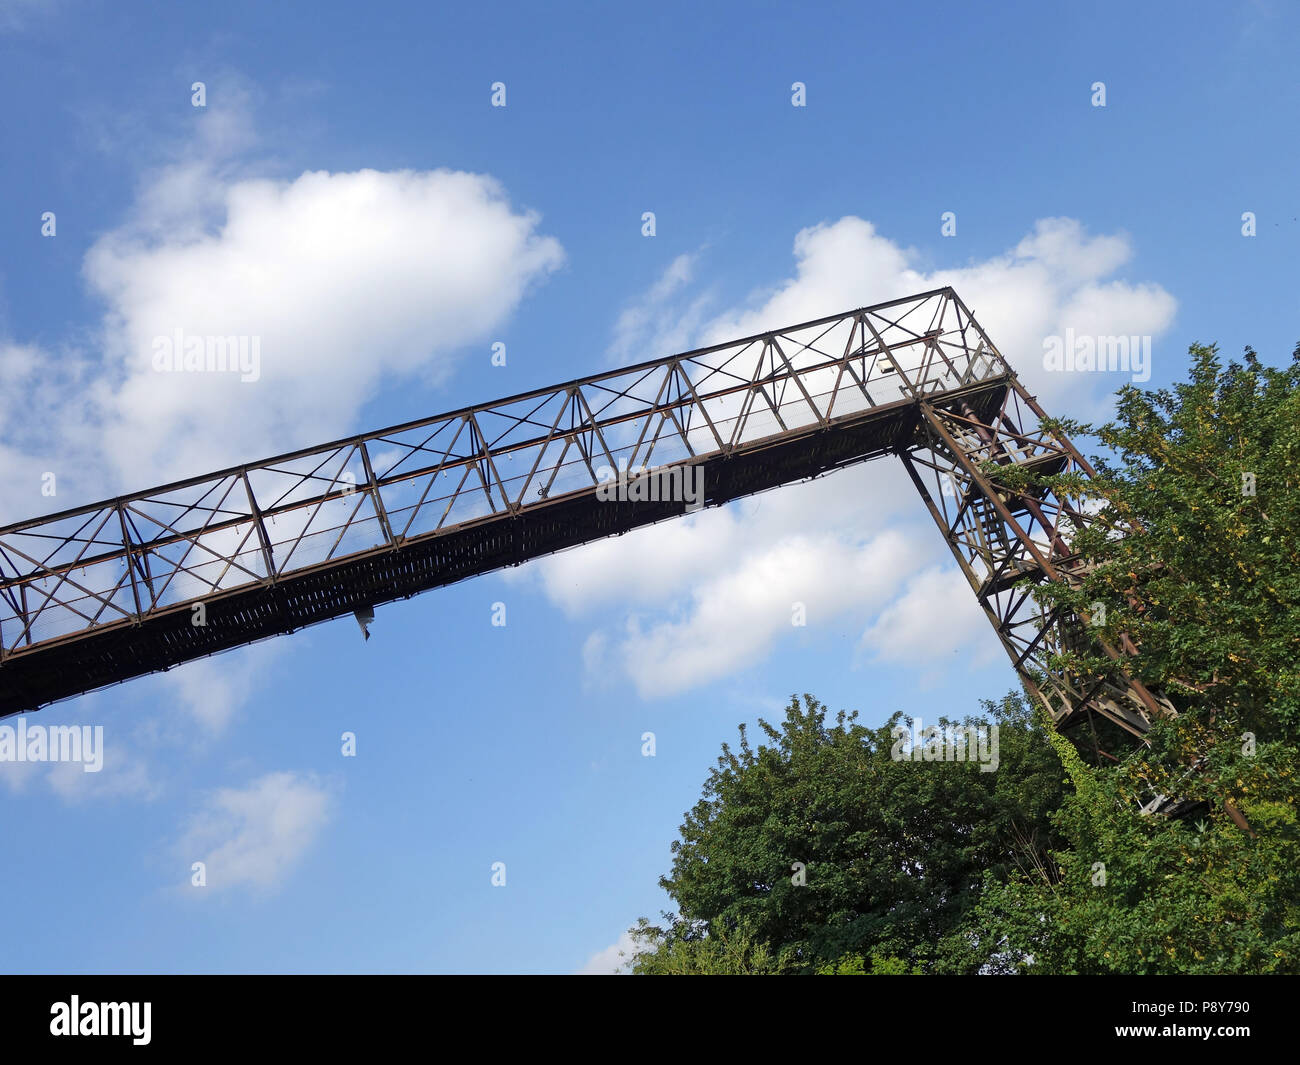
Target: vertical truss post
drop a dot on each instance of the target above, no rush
(261, 529)
(130, 560)
(376, 500)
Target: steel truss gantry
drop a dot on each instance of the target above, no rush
(103, 593)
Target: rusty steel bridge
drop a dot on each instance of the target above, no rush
(102, 593)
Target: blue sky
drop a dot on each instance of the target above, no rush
(349, 194)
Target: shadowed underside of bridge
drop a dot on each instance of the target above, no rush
(100, 594)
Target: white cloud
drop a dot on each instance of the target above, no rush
(351, 283)
(1070, 256)
(612, 959)
(838, 267)
(52, 430)
(212, 690)
(125, 774)
(123, 771)
(709, 595)
(16, 776)
(737, 615)
(656, 565)
(1097, 309)
(932, 621)
(1054, 279)
(254, 836)
(651, 326)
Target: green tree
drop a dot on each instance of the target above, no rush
(1193, 552)
(1135, 893)
(876, 965)
(1047, 865)
(693, 953)
(821, 845)
(1194, 556)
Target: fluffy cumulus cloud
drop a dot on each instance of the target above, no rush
(344, 281)
(252, 837)
(1057, 277)
(709, 595)
(735, 616)
(332, 286)
(933, 618)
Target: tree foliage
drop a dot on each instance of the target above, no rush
(822, 845)
(1194, 557)
(1047, 865)
(1193, 553)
